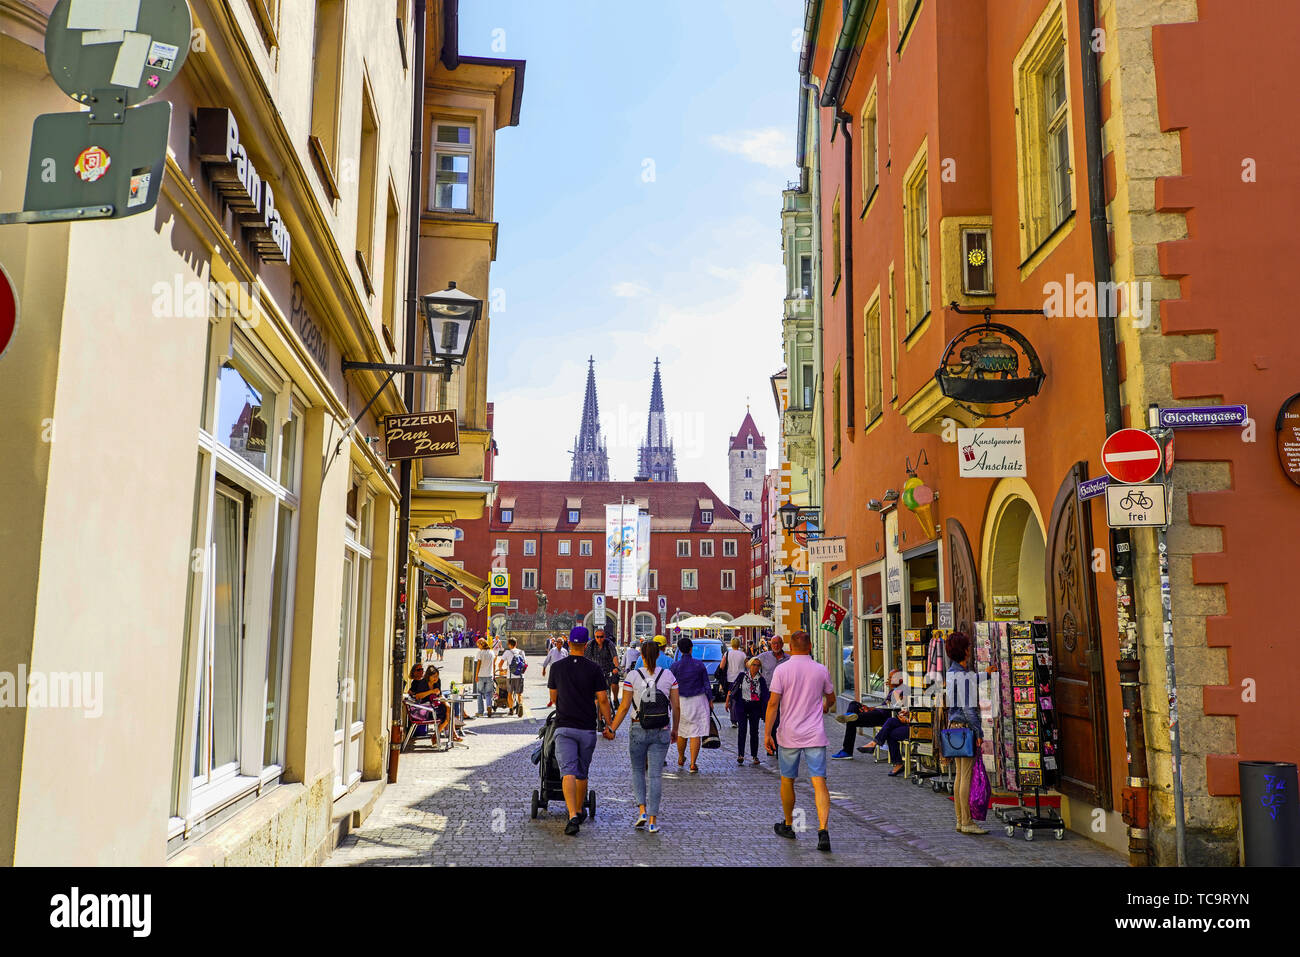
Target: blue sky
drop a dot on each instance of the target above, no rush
(639, 201)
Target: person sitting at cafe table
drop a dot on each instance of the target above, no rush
(860, 716)
(427, 689)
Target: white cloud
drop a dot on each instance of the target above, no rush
(773, 146)
(630, 290)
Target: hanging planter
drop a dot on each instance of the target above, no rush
(990, 365)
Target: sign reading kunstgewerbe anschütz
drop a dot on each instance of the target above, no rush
(991, 453)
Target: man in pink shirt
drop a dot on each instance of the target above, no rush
(802, 691)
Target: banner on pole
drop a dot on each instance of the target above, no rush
(643, 557)
(620, 550)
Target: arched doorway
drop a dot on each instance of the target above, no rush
(610, 626)
(453, 624)
(1015, 546)
(644, 626)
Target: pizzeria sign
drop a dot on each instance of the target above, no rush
(418, 435)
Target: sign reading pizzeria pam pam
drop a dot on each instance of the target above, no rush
(418, 435)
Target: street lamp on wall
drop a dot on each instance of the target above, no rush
(450, 317)
(788, 572)
(789, 513)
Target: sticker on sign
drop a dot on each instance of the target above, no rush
(1137, 506)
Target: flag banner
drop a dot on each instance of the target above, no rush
(620, 550)
(643, 557)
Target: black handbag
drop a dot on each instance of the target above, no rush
(713, 739)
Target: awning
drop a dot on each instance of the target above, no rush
(471, 586)
(433, 611)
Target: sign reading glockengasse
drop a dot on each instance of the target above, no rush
(417, 435)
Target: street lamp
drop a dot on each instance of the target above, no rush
(788, 572)
(789, 513)
(450, 317)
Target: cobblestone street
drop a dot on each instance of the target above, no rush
(471, 807)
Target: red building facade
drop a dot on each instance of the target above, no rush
(550, 536)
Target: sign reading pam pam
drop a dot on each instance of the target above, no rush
(418, 435)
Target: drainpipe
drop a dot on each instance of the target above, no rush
(408, 383)
(1136, 797)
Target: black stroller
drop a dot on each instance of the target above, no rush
(550, 787)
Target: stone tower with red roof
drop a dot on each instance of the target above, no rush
(746, 466)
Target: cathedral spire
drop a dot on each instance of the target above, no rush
(590, 458)
(656, 460)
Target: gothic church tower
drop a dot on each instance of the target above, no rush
(590, 457)
(656, 461)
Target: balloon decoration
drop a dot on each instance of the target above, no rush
(918, 498)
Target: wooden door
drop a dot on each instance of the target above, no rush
(967, 608)
(1083, 762)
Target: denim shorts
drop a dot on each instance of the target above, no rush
(573, 751)
(788, 758)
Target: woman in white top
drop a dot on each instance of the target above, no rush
(648, 747)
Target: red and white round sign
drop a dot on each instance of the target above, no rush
(1130, 455)
(8, 309)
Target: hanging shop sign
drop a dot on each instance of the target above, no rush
(1137, 506)
(1288, 436)
(918, 498)
(833, 615)
(439, 539)
(1204, 417)
(418, 435)
(991, 453)
(1131, 456)
(990, 366)
(242, 189)
(830, 550)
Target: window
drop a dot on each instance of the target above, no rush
(906, 16)
(530, 546)
(749, 441)
(706, 548)
(528, 580)
(573, 516)
(749, 518)
(390, 317)
(706, 516)
(690, 577)
(563, 547)
(835, 242)
(513, 604)
(244, 412)
(507, 516)
(503, 547)
(367, 181)
(457, 603)
(917, 243)
(893, 337)
(683, 548)
(592, 579)
(870, 148)
(453, 163)
(835, 417)
(871, 359)
(977, 261)
(564, 579)
(354, 645)
(644, 626)
(749, 473)
(728, 580)
(805, 276)
(326, 92)
(749, 495)
(654, 579)
(729, 548)
(806, 376)
(584, 547)
(267, 14)
(1043, 132)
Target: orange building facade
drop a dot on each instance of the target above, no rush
(947, 144)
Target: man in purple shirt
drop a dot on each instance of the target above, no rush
(803, 693)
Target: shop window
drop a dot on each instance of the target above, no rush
(453, 166)
(245, 411)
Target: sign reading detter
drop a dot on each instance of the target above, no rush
(418, 435)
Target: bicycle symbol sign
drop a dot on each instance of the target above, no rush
(1133, 506)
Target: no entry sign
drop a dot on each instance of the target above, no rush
(8, 310)
(1131, 456)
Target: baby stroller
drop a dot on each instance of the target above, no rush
(550, 787)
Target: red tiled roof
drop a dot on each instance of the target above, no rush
(673, 506)
(747, 428)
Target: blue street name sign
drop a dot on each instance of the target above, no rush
(1203, 417)
(1093, 487)
(801, 596)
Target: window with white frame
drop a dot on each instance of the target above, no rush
(706, 517)
(453, 166)
(584, 547)
(729, 548)
(574, 516)
(592, 579)
(563, 547)
(728, 580)
(564, 579)
(530, 546)
(457, 603)
(528, 580)
(706, 548)
(683, 548)
(354, 638)
(503, 547)
(690, 579)
(507, 516)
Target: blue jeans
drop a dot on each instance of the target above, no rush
(647, 750)
(487, 694)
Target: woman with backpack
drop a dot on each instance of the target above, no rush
(747, 702)
(651, 694)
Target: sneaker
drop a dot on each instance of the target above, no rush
(755, 762)
(652, 828)
(972, 829)
(783, 830)
(582, 817)
(841, 756)
(824, 840)
(571, 828)
(640, 821)
(844, 718)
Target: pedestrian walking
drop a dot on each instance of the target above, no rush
(802, 692)
(516, 663)
(652, 696)
(484, 686)
(963, 700)
(695, 690)
(556, 652)
(768, 661)
(602, 652)
(747, 703)
(580, 696)
(441, 646)
(732, 667)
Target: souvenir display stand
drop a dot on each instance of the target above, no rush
(924, 652)
(1021, 729)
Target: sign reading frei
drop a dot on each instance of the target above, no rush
(991, 453)
(830, 550)
(241, 187)
(1288, 437)
(1203, 417)
(417, 435)
(1137, 506)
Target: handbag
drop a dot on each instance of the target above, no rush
(713, 739)
(957, 742)
(980, 793)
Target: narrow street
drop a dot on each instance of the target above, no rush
(470, 807)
